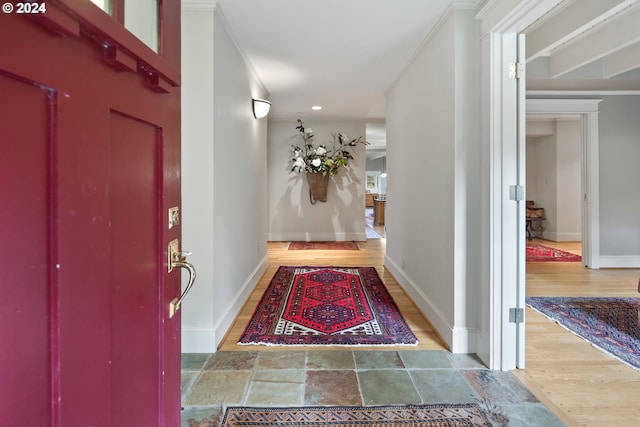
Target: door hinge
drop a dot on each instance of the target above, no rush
(516, 70)
(516, 192)
(516, 315)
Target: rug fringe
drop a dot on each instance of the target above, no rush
(597, 347)
(329, 345)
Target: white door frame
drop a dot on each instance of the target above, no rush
(588, 111)
(502, 22)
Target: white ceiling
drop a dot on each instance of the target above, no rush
(340, 54)
(345, 54)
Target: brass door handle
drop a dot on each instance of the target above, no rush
(177, 259)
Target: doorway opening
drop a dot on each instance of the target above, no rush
(586, 111)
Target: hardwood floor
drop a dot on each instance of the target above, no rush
(580, 384)
(370, 255)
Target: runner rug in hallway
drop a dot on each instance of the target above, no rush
(610, 324)
(347, 306)
(542, 253)
(440, 415)
(348, 246)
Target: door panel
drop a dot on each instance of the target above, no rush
(134, 272)
(25, 361)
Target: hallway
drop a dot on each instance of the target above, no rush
(581, 385)
(286, 376)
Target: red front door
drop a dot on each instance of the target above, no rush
(89, 168)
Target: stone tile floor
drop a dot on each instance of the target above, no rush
(211, 382)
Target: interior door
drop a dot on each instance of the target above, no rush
(90, 166)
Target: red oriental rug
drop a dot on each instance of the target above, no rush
(348, 246)
(542, 253)
(347, 306)
(434, 415)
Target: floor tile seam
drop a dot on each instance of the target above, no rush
(415, 387)
(472, 393)
(268, 381)
(355, 370)
(381, 369)
(304, 376)
(329, 369)
(435, 368)
(190, 388)
(206, 361)
(247, 388)
(476, 395)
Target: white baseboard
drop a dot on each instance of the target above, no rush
(198, 340)
(207, 340)
(619, 261)
(317, 237)
(562, 237)
(458, 339)
(240, 298)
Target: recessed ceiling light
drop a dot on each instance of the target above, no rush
(316, 107)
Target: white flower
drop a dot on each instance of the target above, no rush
(308, 130)
(320, 151)
(343, 137)
(299, 163)
(316, 162)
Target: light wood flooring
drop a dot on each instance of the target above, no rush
(370, 255)
(580, 384)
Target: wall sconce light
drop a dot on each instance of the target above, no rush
(261, 107)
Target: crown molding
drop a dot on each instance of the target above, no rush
(227, 27)
(466, 4)
(199, 4)
(453, 6)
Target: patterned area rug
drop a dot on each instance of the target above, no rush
(441, 415)
(610, 324)
(542, 253)
(327, 306)
(345, 246)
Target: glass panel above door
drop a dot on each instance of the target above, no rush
(141, 18)
(103, 4)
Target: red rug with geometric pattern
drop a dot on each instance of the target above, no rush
(346, 306)
(542, 253)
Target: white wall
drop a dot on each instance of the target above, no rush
(292, 217)
(619, 179)
(224, 199)
(432, 193)
(568, 217)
